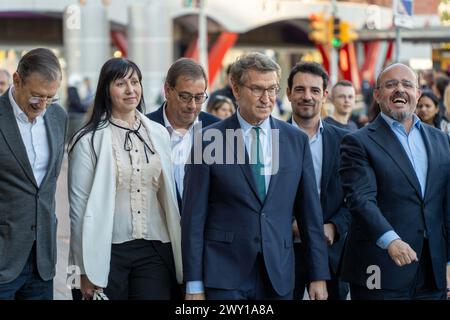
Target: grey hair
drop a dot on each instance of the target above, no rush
(252, 61)
(42, 61)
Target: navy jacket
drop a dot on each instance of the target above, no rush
(225, 224)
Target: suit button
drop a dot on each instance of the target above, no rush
(263, 215)
(33, 227)
(257, 239)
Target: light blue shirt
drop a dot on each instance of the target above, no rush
(414, 147)
(35, 139)
(316, 146)
(193, 287)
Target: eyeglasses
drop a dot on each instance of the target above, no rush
(393, 84)
(48, 100)
(187, 97)
(258, 92)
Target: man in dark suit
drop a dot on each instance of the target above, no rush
(185, 91)
(396, 177)
(32, 131)
(307, 92)
(239, 199)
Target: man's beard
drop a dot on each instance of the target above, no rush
(400, 116)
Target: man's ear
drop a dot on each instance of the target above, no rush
(166, 90)
(236, 90)
(16, 79)
(288, 93)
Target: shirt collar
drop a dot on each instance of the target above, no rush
(246, 127)
(168, 125)
(394, 123)
(18, 112)
(319, 129)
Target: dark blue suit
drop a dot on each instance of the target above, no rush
(225, 225)
(383, 193)
(205, 118)
(334, 211)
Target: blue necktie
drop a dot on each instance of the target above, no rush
(257, 163)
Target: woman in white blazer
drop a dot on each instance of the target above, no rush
(125, 223)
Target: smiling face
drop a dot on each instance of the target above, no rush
(125, 94)
(306, 96)
(35, 85)
(397, 92)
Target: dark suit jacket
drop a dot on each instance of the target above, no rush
(383, 193)
(225, 224)
(205, 118)
(27, 212)
(331, 192)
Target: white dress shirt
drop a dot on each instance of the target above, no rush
(35, 139)
(265, 138)
(181, 144)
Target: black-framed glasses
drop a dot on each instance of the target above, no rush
(393, 84)
(258, 91)
(187, 97)
(48, 100)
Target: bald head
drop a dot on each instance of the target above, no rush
(395, 66)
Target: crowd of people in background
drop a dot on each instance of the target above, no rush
(281, 207)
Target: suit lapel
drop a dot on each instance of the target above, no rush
(10, 130)
(278, 144)
(330, 152)
(432, 161)
(394, 149)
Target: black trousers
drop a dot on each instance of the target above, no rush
(423, 287)
(141, 270)
(337, 289)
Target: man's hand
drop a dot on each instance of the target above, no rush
(295, 230)
(330, 232)
(401, 253)
(195, 296)
(318, 290)
(448, 281)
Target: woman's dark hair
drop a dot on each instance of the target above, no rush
(113, 69)
(430, 94)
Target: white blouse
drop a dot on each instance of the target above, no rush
(138, 213)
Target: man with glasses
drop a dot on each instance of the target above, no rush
(32, 131)
(185, 92)
(396, 178)
(238, 208)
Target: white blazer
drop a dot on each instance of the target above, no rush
(92, 193)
